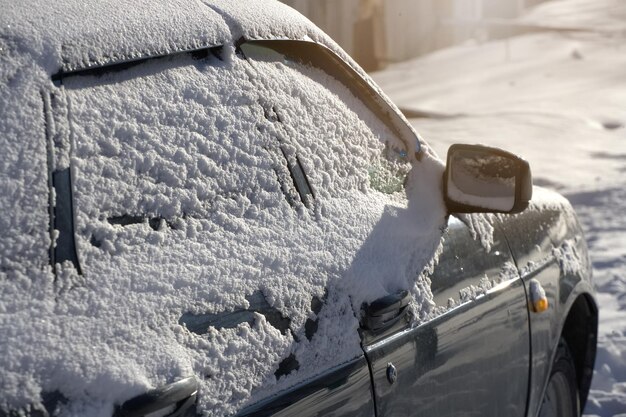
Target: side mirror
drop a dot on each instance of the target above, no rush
(481, 179)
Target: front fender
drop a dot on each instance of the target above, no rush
(548, 245)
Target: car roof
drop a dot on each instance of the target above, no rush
(70, 35)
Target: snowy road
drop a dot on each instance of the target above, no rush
(559, 99)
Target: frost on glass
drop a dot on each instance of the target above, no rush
(388, 172)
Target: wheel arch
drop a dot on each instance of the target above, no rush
(580, 331)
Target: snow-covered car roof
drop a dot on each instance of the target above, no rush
(69, 35)
(60, 37)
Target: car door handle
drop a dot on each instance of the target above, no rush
(386, 311)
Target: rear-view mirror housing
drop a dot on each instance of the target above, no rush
(482, 179)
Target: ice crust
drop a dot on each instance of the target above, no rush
(194, 150)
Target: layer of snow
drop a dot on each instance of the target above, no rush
(69, 34)
(480, 226)
(558, 98)
(194, 155)
(568, 258)
(579, 15)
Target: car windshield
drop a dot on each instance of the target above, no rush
(316, 56)
(388, 172)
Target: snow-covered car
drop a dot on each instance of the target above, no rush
(210, 209)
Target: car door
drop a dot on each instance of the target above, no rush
(472, 357)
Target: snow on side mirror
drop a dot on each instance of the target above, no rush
(481, 179)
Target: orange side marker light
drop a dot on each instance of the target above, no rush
(538, 300)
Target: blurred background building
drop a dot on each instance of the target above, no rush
(379, 32)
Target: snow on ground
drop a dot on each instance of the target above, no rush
(558, 98)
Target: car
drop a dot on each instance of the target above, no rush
(210, 209)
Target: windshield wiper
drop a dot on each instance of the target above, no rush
(173, 400)
(300, 180)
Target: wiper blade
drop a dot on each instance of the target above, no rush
(178, 397)
(299, 178)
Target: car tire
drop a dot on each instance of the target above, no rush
(561, 396)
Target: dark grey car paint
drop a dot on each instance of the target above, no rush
(473, 359)
(533, 237)
(344, 391)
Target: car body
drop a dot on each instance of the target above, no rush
(211, 209)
